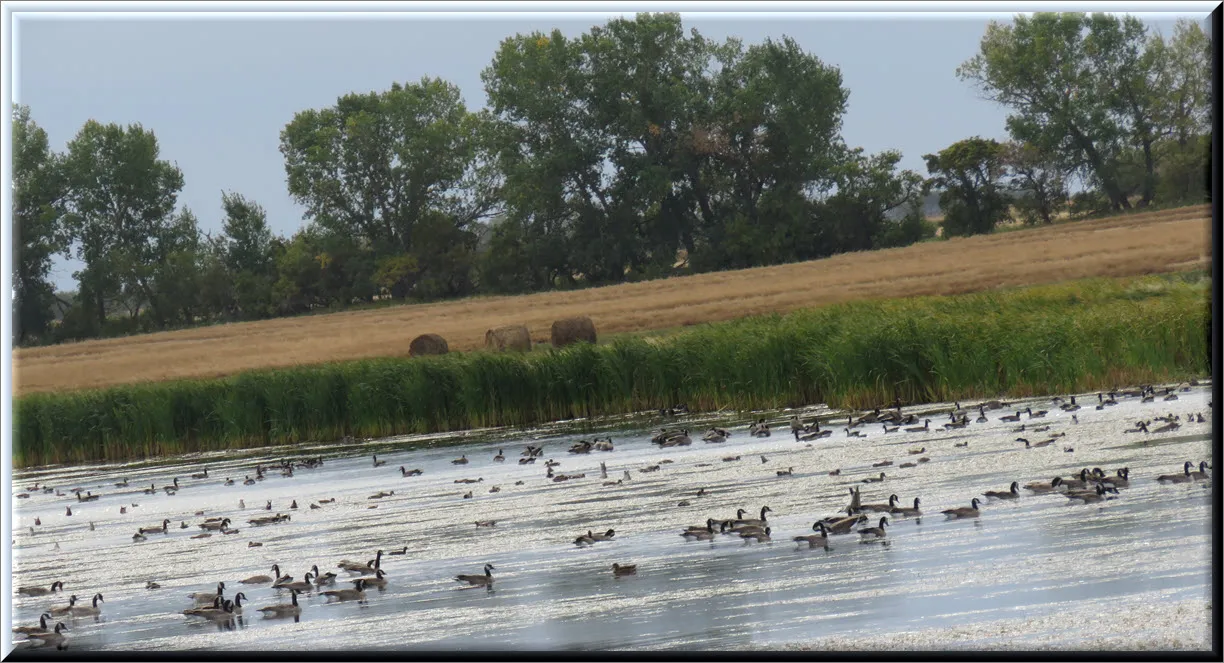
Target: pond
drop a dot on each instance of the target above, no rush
(1041, 571)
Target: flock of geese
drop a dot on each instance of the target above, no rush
(1090, 485)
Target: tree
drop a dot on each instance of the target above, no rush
(1038, 179)
(39, 190)
(968, 173)
(121, 201)
(246, 251)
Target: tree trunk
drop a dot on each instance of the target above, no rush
(1108, 181)
(1149, 174)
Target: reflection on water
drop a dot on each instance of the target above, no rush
(930, 583)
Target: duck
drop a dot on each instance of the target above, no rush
(619, 570)
(461, 460)
(283, 609)
(907, 511)
(87, 610)
(1010, 494)
(1184, 477)
(1042, 487)
(874, 532)
(821, 538)
(485, 580)
(964, 511)
(41, 591)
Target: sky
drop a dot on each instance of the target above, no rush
(218, 92)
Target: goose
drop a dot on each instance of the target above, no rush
(1184, 477)
(605, 536)
(813, 540)
(173, 487)
(917, 452)
(1201, 473)
(485, 580)
(850, 433)
(892, 503)
(55, 637)
(303, 585)
(907, 511)
(1011, 417)
(874, 532)
(873, 479)
(151, 489)
(1035, 415)
(584, 540)
(883, 463)
(40, 591)
(378, 580)
(619, 570)
(259, 580)
(758, 534)
(368, 567)
(152, 585)
(787, 472)
(201, 475)
(321, 579)
(844, 525)
(920, 429)
(1011, 494)
(705, 534)
(409, 473)
(1081, 482)
(215, 525)
(87, 610)
(202, 598)
(1072, 406)
(163, 528)
(1042, 487)
(69, 512)
(1120, 480)
(228, 482)
(961, 444)
(500, 457)
(964, 511)
(715, 436)
(220, 610)
(982, 415)
(1043, 443)
(379, 463)
(29, 630)
(283, 609)
(63, 609)
(138, 537)
(402, 551)
(740, 520)
(461, 460)
(486, 523)
(1095, 495)
(890, 430)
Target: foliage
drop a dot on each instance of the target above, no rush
(969, 174)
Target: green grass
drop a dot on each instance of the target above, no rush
(1070, 337)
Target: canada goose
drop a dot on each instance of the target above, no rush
(259, 580)
(1043, 443)
(221, 611)
(486, 523)
(920, 429)
(850, 433)
(69, 512)
(50, 637)
(378, 580)
(874, 532)
(813, 540)
(86, 610)
(283, 609)
(756, 533)
(1010, 417)
(158, 528)
(208, 597)
(485, 580)
(402, 551)
(201, 475)
(706, 534)
(844, 525)
(40, 591)
(321, 579)
(303, 585)
(379, 463)
(1011, 494)
(625, 570)
(961, 444)
(215, 525)
(63, 609)
(1070, 407)
(1042, 488)
(715, 436)
(787, 472)
(1201, 473)
(982, 415)
(585, 540)
(605, 536)
(368, 567)
(461, 460)
(1095, 495)
(740, 520)
(138, 537)
(892, 503)
(1184, 477)
(1035, 415)
(835, 473)
(873, 479)
(1120, 480)
(964, 511)
(907, 511)
(41, 628)
(1081, 482)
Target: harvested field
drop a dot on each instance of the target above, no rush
(1134, 244)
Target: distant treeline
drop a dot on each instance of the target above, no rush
(634, 151)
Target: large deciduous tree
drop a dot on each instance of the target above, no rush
(39, 190)
(969, 175)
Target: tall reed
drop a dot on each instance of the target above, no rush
(1053, 339)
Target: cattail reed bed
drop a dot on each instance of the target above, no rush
(1077, 336)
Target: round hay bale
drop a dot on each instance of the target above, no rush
(513, 337)
(573, 330)
(427, 344)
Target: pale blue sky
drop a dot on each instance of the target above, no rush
(218, 92)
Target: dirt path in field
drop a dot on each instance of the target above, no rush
(1136, 244)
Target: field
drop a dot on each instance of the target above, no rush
(1134, 244)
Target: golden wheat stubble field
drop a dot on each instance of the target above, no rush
(1135, 244)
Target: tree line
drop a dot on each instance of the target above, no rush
(637, 150)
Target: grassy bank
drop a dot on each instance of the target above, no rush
(1049, 339)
